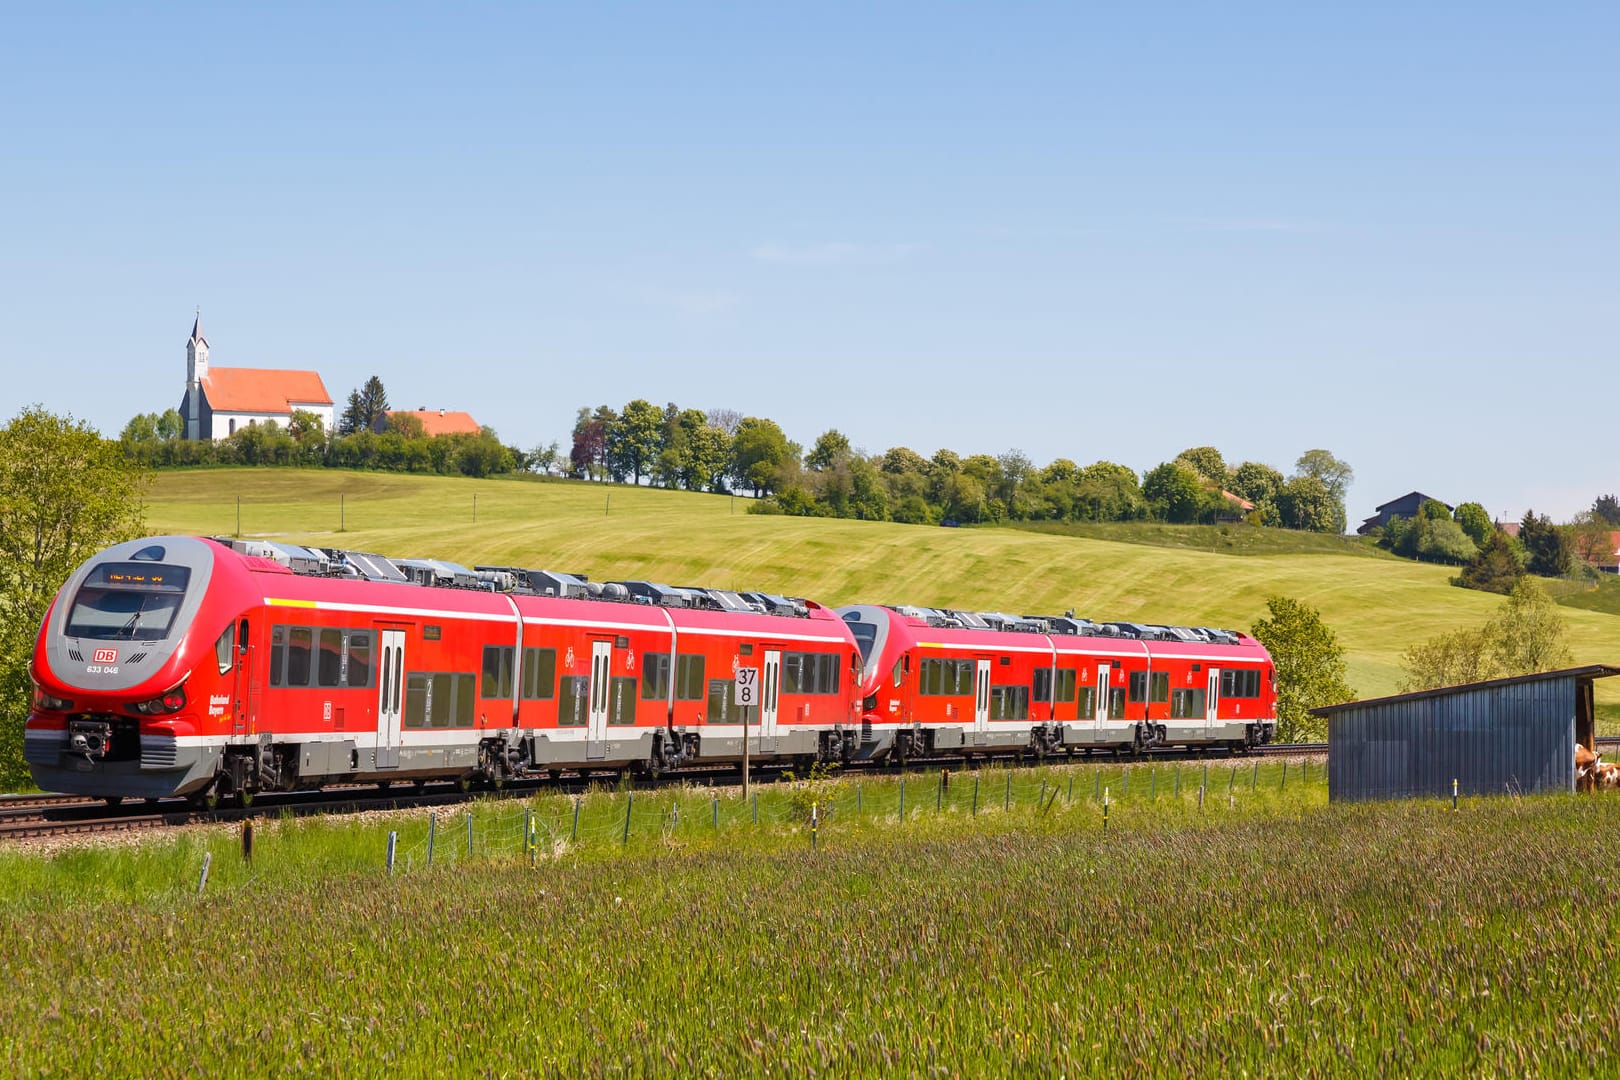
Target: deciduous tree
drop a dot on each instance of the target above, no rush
(1310, 666)
(65, 493)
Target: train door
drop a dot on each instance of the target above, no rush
(981, 699)
(245, 685)
(770, 687)
(601, 681)
(390, 696)
(1212, 699)
(1101, 712)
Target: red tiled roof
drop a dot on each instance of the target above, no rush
(441, 422)
(262, 390)
(1238, 500)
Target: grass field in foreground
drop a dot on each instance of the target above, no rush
(1378, 606)
(1277, 935)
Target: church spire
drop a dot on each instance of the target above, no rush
(196, 328)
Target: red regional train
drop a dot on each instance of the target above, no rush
(210, 668)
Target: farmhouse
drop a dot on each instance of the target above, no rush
(219, 401)
(433, 421)
(1406, 506)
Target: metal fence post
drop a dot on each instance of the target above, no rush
(629, 801)
(574, 836)
(1125, 785)
(1254, 783)
(1042, 799)
(202, 879)
(1283, 784)
(1231, 780)
(1006, 802)
(393, 838)
(433, 826)
(975, 794)
(1178, 780)
(717, 813)
(756, 808)
(247, 840)
(1070, 797)
(469, 834)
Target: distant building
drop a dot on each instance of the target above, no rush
(217, 402)
(1406, 506)
(434, 421)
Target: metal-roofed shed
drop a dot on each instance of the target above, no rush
(1516, 734)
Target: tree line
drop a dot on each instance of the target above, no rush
(366, 438)
(720, 451)
(1492, 558)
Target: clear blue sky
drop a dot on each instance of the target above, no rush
(1081, 231)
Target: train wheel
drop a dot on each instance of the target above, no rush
(207, 799)
(418, 786)
(384, 785)
(464, 784)
(245, 797)
(112, 800)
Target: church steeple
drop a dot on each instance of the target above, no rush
(196, 353)
(196, 372)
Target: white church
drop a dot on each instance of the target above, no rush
(221, 400)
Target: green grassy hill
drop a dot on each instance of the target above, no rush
(1379, 606)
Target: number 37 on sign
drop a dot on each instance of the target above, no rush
(747, 687)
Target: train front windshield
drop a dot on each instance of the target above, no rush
(128, 602)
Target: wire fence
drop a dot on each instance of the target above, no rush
(812, 812)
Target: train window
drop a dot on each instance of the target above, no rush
(793, 673)
(359, 673)
(1065, 685)
(539, 674)
(746, 650)
(497, 680)
(416, 701)
(1088, 702)
(1187, 704)
(689, 678)
(622, 700)
(464, 699)
(224, 652)
(950, 678)
(655, 676)
(895, 675)
(1116, 703)
(439, 700)
(278, 655)
(329, 663)
(1240, 684)
(1043, 685)
(1138, 686)
(573, 709)
(300, 644)
(1009, 703)
(1159, 687)
(720, 695)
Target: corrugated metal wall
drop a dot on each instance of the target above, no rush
(1492, 740)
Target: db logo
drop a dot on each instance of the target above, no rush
(106, 656)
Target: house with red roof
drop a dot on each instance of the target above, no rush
(433, 421)
(222, 400)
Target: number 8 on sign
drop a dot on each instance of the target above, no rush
(747, 687)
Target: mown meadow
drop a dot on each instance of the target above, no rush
(1379, 605)
(1256, 930)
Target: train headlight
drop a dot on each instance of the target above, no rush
(50, 702)
(171, 702)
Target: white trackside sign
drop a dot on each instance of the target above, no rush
(747, 687)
